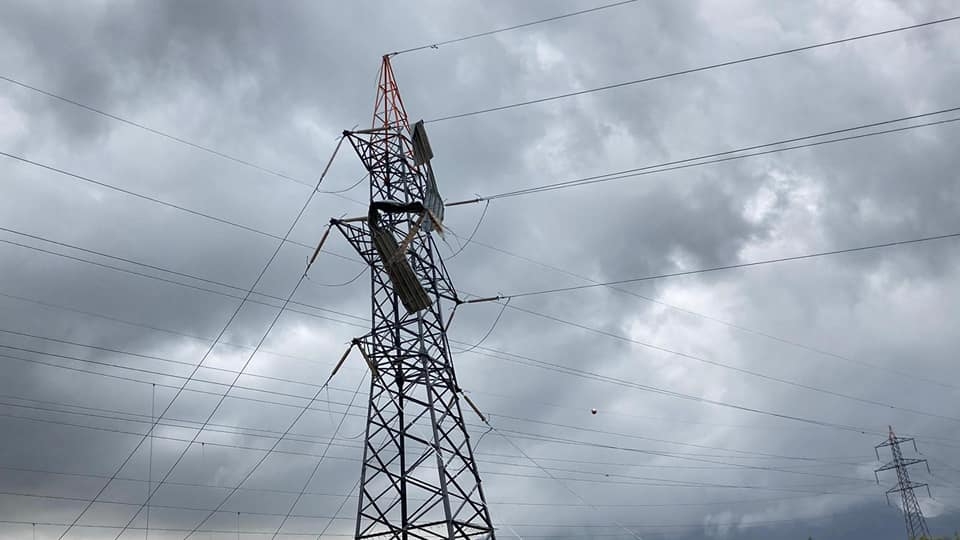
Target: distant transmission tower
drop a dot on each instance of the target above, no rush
(916, 524)
(419, 479)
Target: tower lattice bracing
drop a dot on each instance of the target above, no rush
(419, 479)
(912, 516)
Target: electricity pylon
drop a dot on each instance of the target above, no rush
(419, 479)
(912, 516)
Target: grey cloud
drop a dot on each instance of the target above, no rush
(276, 83)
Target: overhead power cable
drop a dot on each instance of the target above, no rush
(730, 155)
(152, 328)
(313, 473)
(174, 138)
(112, 414)
(187, 424)
(154, 200)
(134, 262)
(736, 326)
(644, 388)
(209, 350)
(438, 44)
(619, 282)
(144, 356)
(482, 351)
(223, 397)
(696, 69)
(270, 451)
(743, 371)
(636, 386)
(589, 375)
(596, 477)
(762, 262)
(272, 491)
(33, 404)
(620, 382)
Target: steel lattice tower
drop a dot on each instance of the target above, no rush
(912, 516)
(419, 479)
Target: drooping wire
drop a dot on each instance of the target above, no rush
(344, 190)
(503, 307)
(474, 233)
(508, 28)
(344, 284)
(694, 70)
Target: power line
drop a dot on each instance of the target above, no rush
(740, 265)
(534, 436)
(144, 356)
(474, 233)
(173, 282)
(348, 443)
(487, 352)
(696, 161)
(313, 473)
(544, 525)
(257, 400)
(508, 28)
(695, 70)
(505, 503)
(602, 478)
(155, 131)
(127, 322)
(744, 371)
(555, 367)
(516, 295)
(744, 264)
(259, 432)
(791, 342)
(151, 199)
(148, 265)
(286, 394)
(511, 357)
(222, 398)
(156, 529)
(230, 320)
(270, 451)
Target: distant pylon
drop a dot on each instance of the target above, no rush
(912, 516)
(419, 479)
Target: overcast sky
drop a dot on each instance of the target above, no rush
(796, 368)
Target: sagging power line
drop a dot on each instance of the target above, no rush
(729, 155)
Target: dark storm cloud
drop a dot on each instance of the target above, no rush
(275, 83)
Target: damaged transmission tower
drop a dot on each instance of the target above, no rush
(419, 479)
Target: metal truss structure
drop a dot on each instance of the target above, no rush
(912, 516)
(419, 479)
